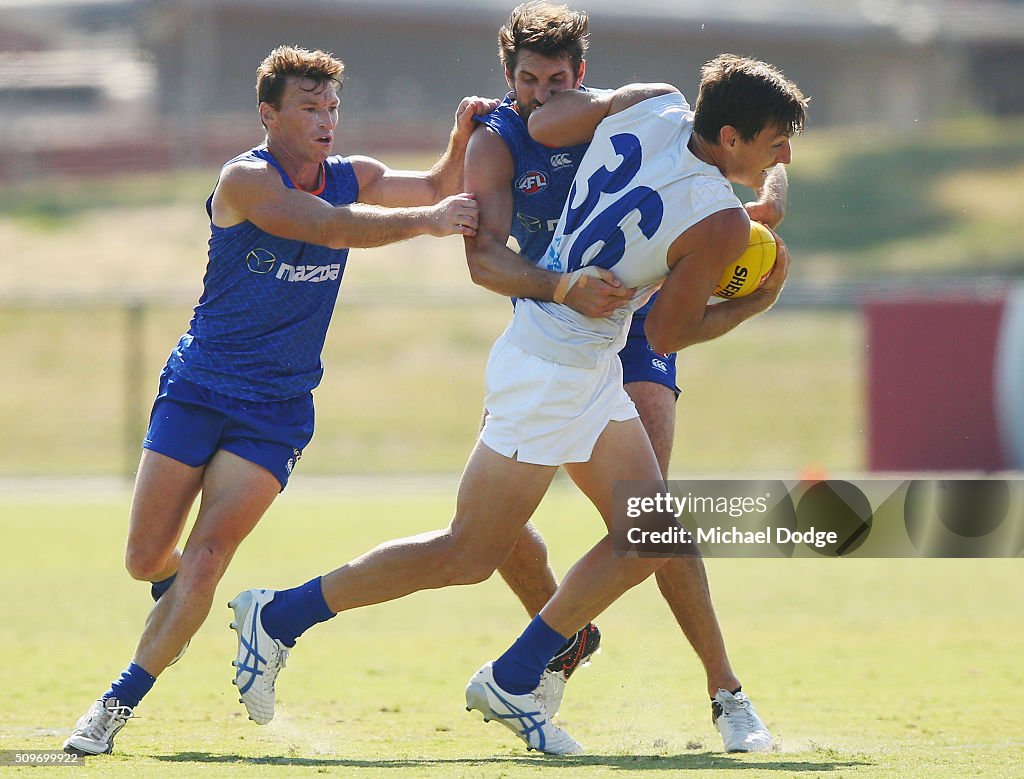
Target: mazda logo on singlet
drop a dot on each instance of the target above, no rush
(260, 261)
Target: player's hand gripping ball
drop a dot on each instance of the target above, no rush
(752, 268)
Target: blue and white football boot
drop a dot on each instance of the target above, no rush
(524, 715)
(259, 658)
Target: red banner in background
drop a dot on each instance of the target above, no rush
(933, 369)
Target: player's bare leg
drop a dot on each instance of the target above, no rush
(236, 493)
(527, 573)
(683, 581)
(506, 690)
(656, 405)
(526, 570)
(599, 578)
(497, 496)
(165, 490)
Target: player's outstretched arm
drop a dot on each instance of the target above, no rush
(682, 316)
(382, 186)
(570, 117)
(256, 193)
(493, 265)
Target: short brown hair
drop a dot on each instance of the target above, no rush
(550, 30)
(319, 66)
(749, 95)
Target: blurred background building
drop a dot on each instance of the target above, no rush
(173, 79)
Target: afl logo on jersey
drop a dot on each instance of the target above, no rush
(532, 182)
(260, 261)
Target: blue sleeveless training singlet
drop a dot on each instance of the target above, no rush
(260, 325)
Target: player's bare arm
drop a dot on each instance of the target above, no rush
(256, 193)
(682, 316)
(383, 186)
(493, 265)
(770, 207)
(570, 117)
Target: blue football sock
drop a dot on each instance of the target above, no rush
(157, 589)
(519, 670)
(131, 686)
(292, 612)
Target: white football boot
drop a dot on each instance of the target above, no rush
(95, 731)
(259, 658)
(524, 715)
(735, 718)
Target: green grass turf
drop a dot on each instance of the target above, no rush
(861, 668)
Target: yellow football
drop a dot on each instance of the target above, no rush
(752, 268)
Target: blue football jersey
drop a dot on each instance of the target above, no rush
(542, 177)
(260, 325)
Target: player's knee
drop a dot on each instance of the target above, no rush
(644, 569)
(143, 565)
(203, 566)
(529, 548)
(468, 567)
(477, 570)
(467, 562)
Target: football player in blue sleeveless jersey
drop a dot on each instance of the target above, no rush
(234, 409)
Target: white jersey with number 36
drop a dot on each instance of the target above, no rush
(637, 189)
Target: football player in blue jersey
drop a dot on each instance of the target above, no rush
(521, 187)
(234, 409)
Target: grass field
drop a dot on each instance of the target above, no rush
(861, 668)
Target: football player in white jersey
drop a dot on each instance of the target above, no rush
(542, 48)
(651, 202)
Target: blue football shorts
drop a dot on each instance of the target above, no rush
(641, 363)
(190, 423)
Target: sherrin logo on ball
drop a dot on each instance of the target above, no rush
(752, 268)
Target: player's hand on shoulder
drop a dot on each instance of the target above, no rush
(472, 106)
(455, 215)
(598, 293)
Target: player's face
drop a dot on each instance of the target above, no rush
(537, 77)
(754, 158)
(306, 121)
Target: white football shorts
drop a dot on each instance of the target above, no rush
(546, 413)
